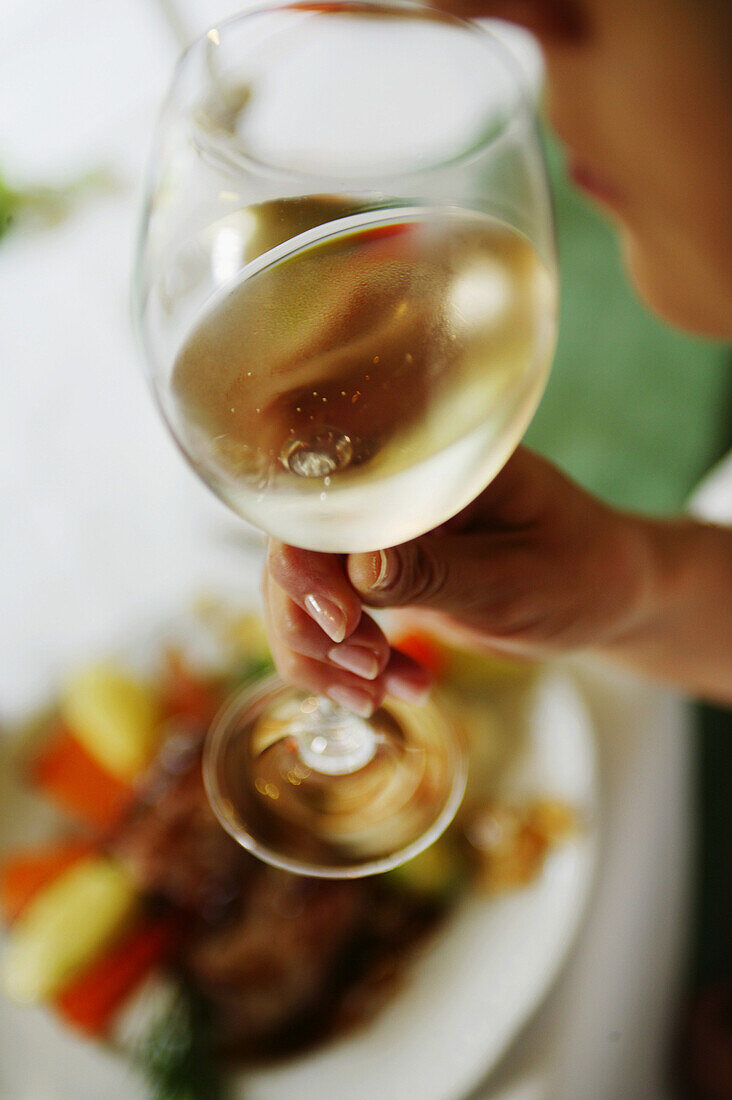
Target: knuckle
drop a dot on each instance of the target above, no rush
(277, 568)
(427, 575)
(522, 617)
(511, 620)
(288, 665)
(283, 563)
(370, 637)
(284, 621)
(290, 627)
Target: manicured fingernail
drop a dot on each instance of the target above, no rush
(360, 702)
(355, 658)
(409, 691)
(328, 616)
(386, 567)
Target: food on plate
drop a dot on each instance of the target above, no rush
(511, 842)
(73, 780)
(90, 1001)
(68, 924)
(114, 716)
(140, 889)
(438, 872)
(23, 876)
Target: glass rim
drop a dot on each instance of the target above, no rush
(228, 154)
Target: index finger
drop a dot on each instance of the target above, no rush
(319, 585)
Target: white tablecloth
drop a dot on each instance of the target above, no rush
(102, 524)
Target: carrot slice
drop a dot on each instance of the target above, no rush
(23, 874)
(92, 1000)
(424, 649)
(66, 773)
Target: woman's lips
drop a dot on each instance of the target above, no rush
(588, 180)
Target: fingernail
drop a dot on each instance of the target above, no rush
(409, 691)
(328, 616)
(386, 567)
(355, 658)
(360, 702)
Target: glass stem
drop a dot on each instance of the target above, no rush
(333, 740)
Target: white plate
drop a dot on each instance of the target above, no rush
(462, 1003)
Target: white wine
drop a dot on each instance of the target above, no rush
(361, 383)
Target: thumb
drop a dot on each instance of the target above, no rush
(446, 573)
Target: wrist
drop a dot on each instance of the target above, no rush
(656, 554)
(646, 580)
(678, 628)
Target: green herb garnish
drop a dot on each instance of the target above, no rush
(177, 1055)
(47, 205)
(250, 669)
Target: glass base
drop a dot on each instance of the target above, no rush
(307, 786)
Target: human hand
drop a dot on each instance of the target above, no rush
(323, 641)
(534, 566)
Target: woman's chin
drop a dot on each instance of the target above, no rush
(679, 294)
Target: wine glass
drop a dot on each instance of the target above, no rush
(346, 294)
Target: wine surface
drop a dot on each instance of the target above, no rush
(360, 385)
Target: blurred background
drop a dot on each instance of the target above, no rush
(104, 524)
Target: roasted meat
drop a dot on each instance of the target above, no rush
(281, 959)
(172, 842)
(266, 970)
